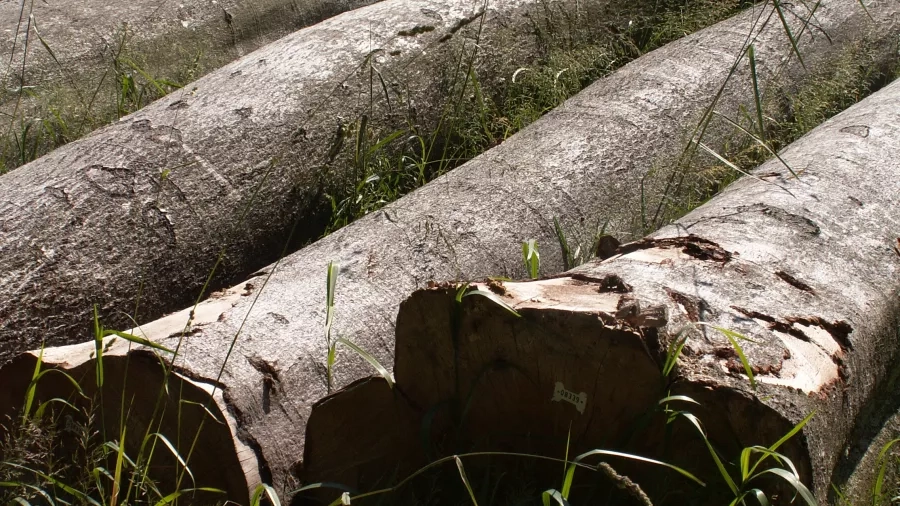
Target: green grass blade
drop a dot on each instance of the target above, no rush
(712, 451)
(793, 431)
(568, 474)
(137, 340)
(204, 407)
(461, 292)
(382, 370)
(638, 458)
(531, 257)
(43, 493)
(329, 364)
(760, 496)
(674, 398)
(39, 412)
(174, 453)
(745, 463)
(264, 490)
(120, 464)
(787, 31)
(331, 284)
(674, 352)
(733, 337)
(32, 386)
(882, 467)
(567, 482)
(465, 480)
(98, 347)
(55, 482)
(568, 260)
(759, 141)
(175, 495)
(323, 484)
(494, 298)
(735, 168)
(756, 95)
(555, 496)
(794, 482)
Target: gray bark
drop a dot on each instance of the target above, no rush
(84, 35)
(806, 269)
(581, 163)
(139, 211)
(866, 453)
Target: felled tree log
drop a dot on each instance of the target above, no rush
(228, 164)
(804, 269)
(85, 35)
(584, 160)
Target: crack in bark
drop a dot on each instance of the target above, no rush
(774, 323)
(692, 245)
(840, 330)
(242, 434)
(796, 283)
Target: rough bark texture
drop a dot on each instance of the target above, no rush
(85, 35)
(866, 453)
(141, 209)
(806, 269)
(582, 162)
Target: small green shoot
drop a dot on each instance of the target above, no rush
(881, 463)
(264, 491)
(531, 258)
(330, 285)
(332, 342)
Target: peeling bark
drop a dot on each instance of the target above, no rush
(582, 162)
(574, 364)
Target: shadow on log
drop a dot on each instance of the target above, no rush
(804, 269)
(190, 413)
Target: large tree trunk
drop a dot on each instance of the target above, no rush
(805, 269)
(70, 67)
(135, 215)
(84, 35)
(582, 162)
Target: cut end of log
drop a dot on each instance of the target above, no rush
(191, 414)
(575, 365)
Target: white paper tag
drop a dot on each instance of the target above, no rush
(561, 394)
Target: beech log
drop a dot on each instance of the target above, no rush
(137, 214)
(85, 35)
(805, 270)
(582, 163)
